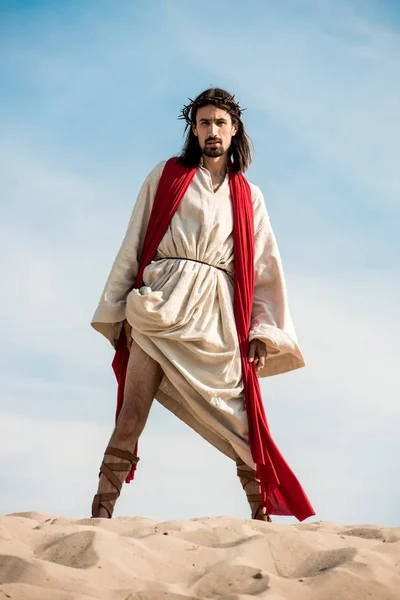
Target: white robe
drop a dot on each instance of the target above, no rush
(183, 314)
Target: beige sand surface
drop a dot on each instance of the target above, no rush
(52, 558)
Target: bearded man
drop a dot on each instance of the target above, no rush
(197, 310)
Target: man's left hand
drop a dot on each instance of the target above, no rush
(257, 353)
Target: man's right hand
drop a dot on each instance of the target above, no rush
(128, 329)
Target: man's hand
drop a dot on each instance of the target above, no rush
(127, 329)
(257, 353)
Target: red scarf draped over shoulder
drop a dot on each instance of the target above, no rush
(281, 491)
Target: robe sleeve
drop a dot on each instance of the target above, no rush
(271, 321)
(110, 312)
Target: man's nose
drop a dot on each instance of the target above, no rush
(213, 129)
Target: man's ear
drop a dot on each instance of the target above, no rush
(194, 130)
(235, 130)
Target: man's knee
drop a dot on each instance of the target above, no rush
(128, 425)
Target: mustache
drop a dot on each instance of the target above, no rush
(212, 140)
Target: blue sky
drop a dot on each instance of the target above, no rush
(89, 98)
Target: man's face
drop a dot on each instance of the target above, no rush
(214, 129)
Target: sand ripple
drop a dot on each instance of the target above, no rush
(222, 558)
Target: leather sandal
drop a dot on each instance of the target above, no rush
(255, 500)
(104, 499)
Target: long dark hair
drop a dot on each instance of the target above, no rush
(240, 149)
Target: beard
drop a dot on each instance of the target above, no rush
(213, 151)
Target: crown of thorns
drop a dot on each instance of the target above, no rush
(226, 101)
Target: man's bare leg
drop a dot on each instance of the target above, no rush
(143, 376)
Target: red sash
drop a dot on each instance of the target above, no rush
(282, 493)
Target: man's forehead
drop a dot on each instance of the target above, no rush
(211, 112)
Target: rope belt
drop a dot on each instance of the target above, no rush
(192, 259)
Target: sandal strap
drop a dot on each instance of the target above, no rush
(254, 514)
(255, 500)
(250, 475)
(104, 468)
(108, 469)
(247, 477)
(109, 507)
(107, 496)
(122, 454)
(255, 510)
(254, 497)
(104, 501)
(117, 466)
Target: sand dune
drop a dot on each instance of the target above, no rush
(52, 558)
